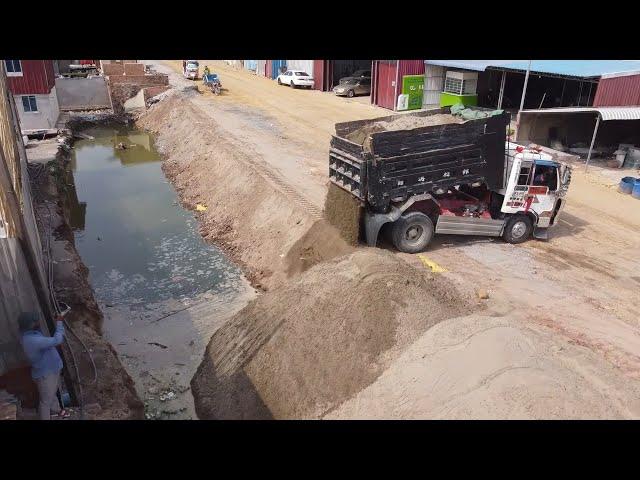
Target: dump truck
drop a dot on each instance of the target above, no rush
(461, 175)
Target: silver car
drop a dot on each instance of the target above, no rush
(352, 86)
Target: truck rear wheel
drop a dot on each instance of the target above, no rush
(412, 232)
(517, 229)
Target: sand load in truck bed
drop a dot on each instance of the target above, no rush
(362, 136)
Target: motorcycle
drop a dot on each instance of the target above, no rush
(213, 82)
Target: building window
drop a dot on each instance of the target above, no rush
(29, 103)
(13, 67)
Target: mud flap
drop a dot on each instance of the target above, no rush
(373, 222)
(541, 233)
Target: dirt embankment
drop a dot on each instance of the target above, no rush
(250, 212)
(302, 349)
(109, 390)
(333, 317)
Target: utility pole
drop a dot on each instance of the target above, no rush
(524, 93)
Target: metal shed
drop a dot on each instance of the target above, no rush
(566, 82)
(621, 89)
(305, 65)
(601, 114)
(386, 81)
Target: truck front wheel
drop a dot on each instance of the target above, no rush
(517, 229)
(412, 232)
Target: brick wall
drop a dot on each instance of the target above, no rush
(123, 87)
(122, 92)
(134, 69)
(144, 80)
(109, 69)
(153, 91)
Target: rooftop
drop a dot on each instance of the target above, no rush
(571, 68)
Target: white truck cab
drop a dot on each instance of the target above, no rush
(535, 185)
(192, 69)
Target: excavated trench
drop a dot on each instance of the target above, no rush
(163, 291)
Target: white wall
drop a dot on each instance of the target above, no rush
(45, 117)
(306, 65)
(433, 85)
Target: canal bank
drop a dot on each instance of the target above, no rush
(160, 291)
(106, 391)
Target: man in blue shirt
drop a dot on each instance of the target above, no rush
(45, 360)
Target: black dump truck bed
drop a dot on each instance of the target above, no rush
(394, 165)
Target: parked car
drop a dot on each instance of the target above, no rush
(295, 78)
(351, 87)
(357, 74)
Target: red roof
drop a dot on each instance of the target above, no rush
(38, 78)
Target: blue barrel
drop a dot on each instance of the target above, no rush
(635, 193)
(626, 185)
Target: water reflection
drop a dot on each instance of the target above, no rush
(140, 246)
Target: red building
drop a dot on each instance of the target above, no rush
(618, 90)
(386, 80)
(33, 84)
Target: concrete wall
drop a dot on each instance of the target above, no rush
(136, 102)
(46, 116)
(82, 93)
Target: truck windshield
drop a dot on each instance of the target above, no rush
(546, 176)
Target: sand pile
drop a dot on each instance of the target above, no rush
(301, 350)
(361, 136)
(481, 367)
(344, 211)
(321, 242)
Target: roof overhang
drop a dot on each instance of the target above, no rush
(606, 113)
(582, 70)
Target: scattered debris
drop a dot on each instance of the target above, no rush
(167, 396)
(482, 294)
(200, 207)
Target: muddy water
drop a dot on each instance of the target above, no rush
(163, 291)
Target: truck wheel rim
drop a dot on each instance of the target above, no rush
(414, 233)
(518, 230)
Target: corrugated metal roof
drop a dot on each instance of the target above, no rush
(478, 65)
(623, 91)
(606, 113)
(572, 68)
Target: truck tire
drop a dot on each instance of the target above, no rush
(517, 229)
(412, 232)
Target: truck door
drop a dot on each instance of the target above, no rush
(543, 191)
(518, 186)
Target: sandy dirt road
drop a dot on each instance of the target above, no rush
(579, 288)
(288, 128)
